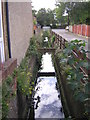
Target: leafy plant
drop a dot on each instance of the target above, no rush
(6, 95)
(71, 67)
(77, 11)
(53, 39)
(9, 80)
(32, 49)
(23, 77)
(35, 43)
(5, 109)
(46, 34)
(24, 72)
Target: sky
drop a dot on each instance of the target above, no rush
(43, 4)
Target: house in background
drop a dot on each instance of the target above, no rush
(16, 29)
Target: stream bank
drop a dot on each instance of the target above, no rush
(27, 74)
(46, 101)
(72, 108)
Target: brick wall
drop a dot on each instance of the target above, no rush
(8, 67)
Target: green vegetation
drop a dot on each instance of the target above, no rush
(32, 50)
(78, 12)
(44, 35)
(53, 39)
(59, 13)
(25, 75)
(65, 13)
(71, 69)
(45, 17)
(25, 72)
(51, 42)
(7, 93)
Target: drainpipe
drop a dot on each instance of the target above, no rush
(8, 32)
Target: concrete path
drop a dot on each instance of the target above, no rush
(69, 36)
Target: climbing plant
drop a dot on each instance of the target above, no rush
(76, 79)
(53, 39)
(24, 72)
(23, 77)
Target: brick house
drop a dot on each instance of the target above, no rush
(16, 29)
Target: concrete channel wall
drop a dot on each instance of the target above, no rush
(72, 108)
(21, 98)
(25, 102)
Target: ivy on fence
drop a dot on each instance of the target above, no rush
(76, 78)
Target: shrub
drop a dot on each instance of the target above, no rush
(6, 95)
(73, 74)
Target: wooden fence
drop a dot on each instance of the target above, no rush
(77, 54)
(80, 29)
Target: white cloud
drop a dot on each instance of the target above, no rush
(43, 4)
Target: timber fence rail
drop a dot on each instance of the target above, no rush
(77, 54)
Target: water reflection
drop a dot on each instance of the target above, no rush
(47, 65)
(48, 104)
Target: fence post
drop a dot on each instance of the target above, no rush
(81, 29)
(60, 42)
(64, 43)
(86, 31)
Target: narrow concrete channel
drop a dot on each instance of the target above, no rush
(47, 101)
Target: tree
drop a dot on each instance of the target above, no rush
(77, 11)
(34, 12)
(41, 16)
(45, 17)
(60, 11)
(50, 17)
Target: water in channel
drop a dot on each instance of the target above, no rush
(47, 97)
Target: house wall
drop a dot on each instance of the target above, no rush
(21, 28)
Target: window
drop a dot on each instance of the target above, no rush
(2, 56)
